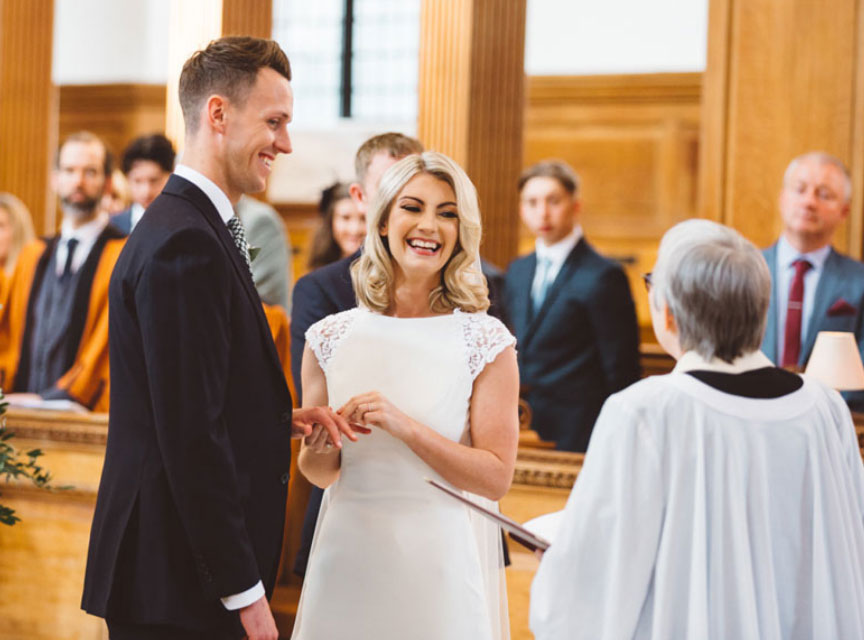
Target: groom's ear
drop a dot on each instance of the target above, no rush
(215, 113)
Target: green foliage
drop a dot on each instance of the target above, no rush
(16, 464)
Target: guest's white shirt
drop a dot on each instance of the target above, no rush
(701, 514)
(135, 214)
(86, 235)
(785, 272)
(226, 212)
(556, 254)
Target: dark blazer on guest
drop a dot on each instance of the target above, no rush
(192, 498)
(581, 345)
(318, 294)
(123, 220)
(838, 306)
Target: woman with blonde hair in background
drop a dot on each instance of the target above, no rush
(434, 380)
(16, 230)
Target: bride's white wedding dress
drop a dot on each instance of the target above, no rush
(393, 558)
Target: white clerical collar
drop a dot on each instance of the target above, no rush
(557, 253)
(87, 233)
(692, 361)
(787, 254)
(210, 189)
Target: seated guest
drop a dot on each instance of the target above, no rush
(16, 230)
(723, 500)
(54, 326)
(342, 228)
(270, 249)
(571, 310)
(117, 197)
(815, 287)
(147, 163)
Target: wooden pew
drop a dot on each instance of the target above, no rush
(42, 558)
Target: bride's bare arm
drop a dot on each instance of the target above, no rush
(485, 467)
(317, 461)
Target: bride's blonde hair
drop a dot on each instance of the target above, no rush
(462, 285)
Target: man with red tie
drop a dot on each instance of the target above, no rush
(815, 288)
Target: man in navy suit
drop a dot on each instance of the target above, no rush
(147, 164)
(572, 313)
(814, 288)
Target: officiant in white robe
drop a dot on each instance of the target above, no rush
(724, 500)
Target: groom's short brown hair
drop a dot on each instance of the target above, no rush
(228, 67)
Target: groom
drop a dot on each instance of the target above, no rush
(188, 525)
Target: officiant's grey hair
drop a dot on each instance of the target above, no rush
(716, 284)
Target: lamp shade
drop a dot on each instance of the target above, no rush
(836, 361)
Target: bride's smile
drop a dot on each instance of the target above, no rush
(423, 227)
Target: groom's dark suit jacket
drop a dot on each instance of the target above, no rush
(192, 498)
(581, 345)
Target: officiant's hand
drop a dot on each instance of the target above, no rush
(375, 409)
(303, 422)
(257, 621)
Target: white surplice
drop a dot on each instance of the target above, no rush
(701, 514)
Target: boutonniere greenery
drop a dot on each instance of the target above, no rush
(253, 253)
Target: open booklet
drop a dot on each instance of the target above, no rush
(519, 533)
(48, 405)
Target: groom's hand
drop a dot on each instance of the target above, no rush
(257, 621)
(303, 421)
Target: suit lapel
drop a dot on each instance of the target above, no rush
(185, 189)
(827, 291)
(522, 316)
(769, 343)
(563, 276)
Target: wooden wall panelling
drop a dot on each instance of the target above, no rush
(471, 99)
(715, 91)
(247, 18)
(28, 105)
(856, 220)
(116, 112)
(783, 81)
(301, 222)
(634, 141)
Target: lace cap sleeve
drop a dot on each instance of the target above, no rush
(324, 336)
(485, 338)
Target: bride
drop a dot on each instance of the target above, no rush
(434, 379)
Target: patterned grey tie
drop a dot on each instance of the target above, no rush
(239, 235)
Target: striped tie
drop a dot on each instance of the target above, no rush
(239, 235)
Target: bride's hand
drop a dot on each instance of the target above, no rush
(373, 408)
(319, 441)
